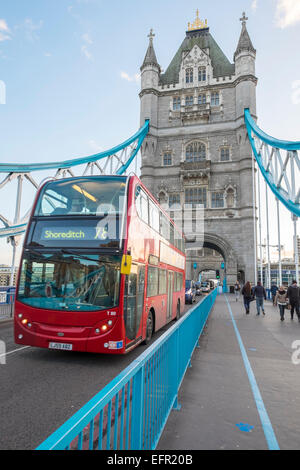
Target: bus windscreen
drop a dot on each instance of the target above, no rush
(95, 196)
(70, 282)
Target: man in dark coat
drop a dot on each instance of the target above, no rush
(293, 295)
(260, 294)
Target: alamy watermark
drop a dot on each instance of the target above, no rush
(2, 352)
(2, 92)
(188, 218)
(296, 354)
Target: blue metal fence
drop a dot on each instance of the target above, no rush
(131, 411)
(7, 297)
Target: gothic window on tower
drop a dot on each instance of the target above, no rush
(189, 75)
(195, 196)
(176, 103)
(202, 74)
(224, 154)
(167, 159)
(217, 200)
(215, 99)
(189, 100)
(174, 200)
(195, 152)
(202, 99)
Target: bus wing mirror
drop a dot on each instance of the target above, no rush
(126, 264)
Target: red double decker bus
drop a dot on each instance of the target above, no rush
(102, 268)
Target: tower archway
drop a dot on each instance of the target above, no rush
(227, 256)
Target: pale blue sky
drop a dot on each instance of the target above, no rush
(70, 69)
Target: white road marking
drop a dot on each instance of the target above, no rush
(15, 350)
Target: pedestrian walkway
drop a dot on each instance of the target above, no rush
(223, 405)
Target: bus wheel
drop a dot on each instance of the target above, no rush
(149, 327)
(178, 310)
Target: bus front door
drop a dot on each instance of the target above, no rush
(134, 303)
(170, 295)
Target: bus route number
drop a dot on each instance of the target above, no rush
(111, 314)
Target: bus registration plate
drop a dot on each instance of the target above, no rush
(64, 346)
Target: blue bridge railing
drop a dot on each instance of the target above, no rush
(131, 411)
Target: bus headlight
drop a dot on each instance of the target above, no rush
(24, 320)
(104, 326)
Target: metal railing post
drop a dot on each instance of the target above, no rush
(137, 410)
(175, 375)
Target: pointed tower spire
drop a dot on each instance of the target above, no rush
(245, 43)
(244, 59)
(150, 57)
(150, 72)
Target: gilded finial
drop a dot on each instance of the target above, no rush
(198, 24)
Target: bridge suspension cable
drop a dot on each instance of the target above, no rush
(279, 164)
(115, 161)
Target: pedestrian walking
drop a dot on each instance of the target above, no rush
(293, 294)
(237, 290)
(260, 294)
(247, 294)
(281, 299)
(274, 290)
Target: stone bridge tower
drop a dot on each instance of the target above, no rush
(197, 150)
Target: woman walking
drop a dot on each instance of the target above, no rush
(281, 300)
(247, 294)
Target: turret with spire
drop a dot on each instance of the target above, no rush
(245, 44)
(150, 72)
(245, 54)
(244, 58)
(150, 57)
